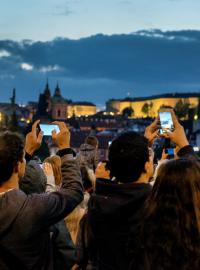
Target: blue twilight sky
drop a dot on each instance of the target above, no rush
(99, 49)
(47, 19)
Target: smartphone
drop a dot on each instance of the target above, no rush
(169, 151)
(196, 149)
(48, 128)
(109, 143)
(166, 121)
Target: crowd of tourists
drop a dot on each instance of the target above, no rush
(73, 211)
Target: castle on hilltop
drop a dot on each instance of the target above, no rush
(149, 106)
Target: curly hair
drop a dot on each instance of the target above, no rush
(11, 152)
(169, 234)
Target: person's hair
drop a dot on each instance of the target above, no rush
(55, 162)
(11, 152)
(169, 235)
(127, 156)
(91, 140)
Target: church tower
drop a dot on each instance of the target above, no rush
(47, 91)
(57, 92)
(59, 105)
(44, 104)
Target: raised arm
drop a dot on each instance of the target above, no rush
(178, 136)
(52, 207)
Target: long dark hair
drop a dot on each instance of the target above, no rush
(169, 235)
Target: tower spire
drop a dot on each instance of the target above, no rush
(47, 91)
(57, 92)
(13, 98)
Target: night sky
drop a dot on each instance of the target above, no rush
(60, 40)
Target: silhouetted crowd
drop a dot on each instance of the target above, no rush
(73, 211)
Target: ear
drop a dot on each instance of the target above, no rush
(17, 167)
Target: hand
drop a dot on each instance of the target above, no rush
(176, 150)
(33, 141)
(177, 136)
(62, 138)
(164, 155)
(151, 132)
(47, 168)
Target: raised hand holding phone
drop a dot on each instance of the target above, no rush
(33, 139)
(166, 121)
(151, 132)
(61, 138)
(178, 135)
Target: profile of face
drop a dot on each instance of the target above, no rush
(149, 165)
(101, 171)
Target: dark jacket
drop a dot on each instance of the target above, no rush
(112, 212)
(187, 152)
(64, 251)
(25, 221)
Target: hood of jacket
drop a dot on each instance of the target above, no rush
(115, 207)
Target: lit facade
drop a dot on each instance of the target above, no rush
(56, 107)
(154, 103)
(81, 109)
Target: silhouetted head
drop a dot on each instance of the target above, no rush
(11, 155)
(129, 157)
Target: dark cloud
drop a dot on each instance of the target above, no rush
(100, 67)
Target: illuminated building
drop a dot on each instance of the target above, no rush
(56, 107)
(81, 109)
(149, 106)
